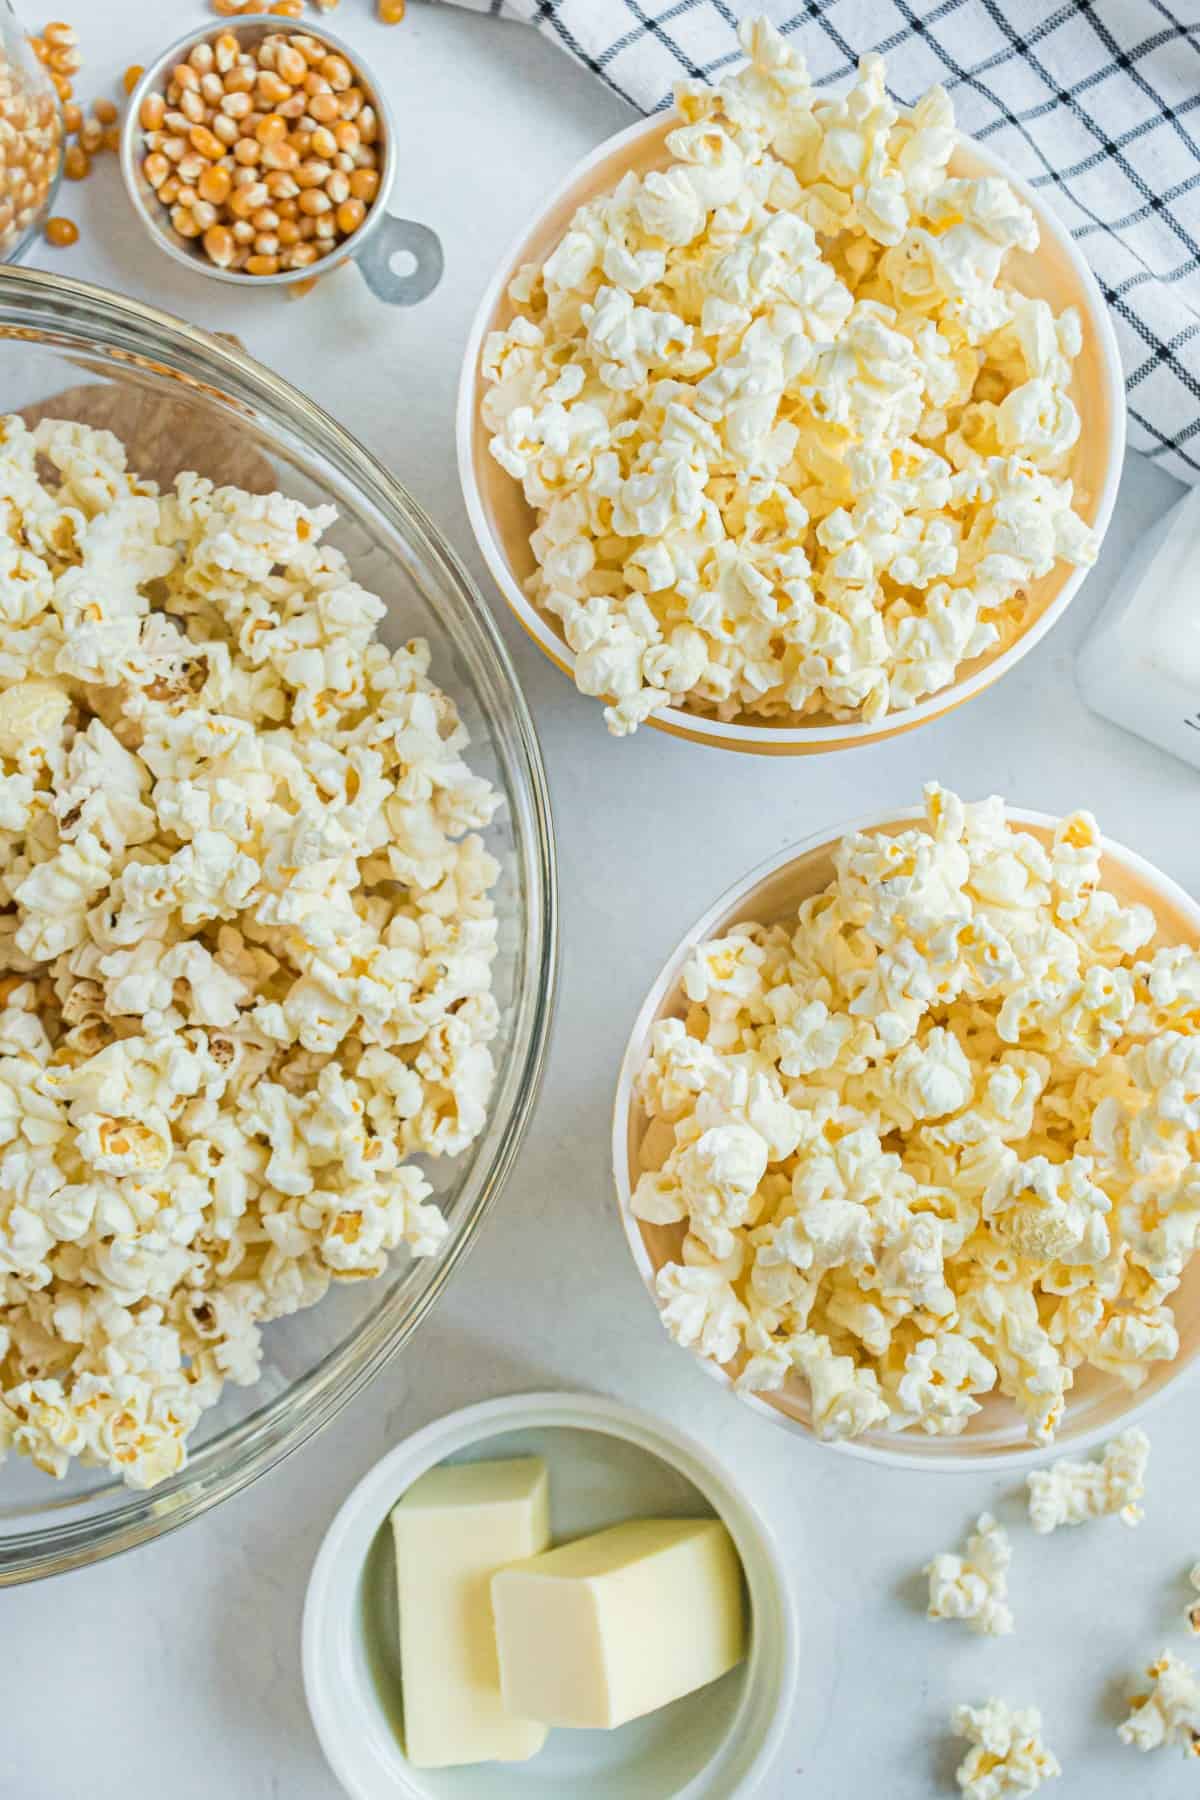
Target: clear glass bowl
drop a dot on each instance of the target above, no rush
(181, 398)
(1098, 1405)
(29, 107)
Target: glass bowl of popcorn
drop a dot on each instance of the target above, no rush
(793, 421)
(905, 1137)
(277, 938)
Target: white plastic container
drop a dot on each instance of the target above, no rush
(607, 1462)
(1141, 665)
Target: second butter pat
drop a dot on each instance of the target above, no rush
(615, 1625)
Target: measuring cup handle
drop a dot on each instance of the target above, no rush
(390, 237)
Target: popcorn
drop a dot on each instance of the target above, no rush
(794, 446)
(1192, 1615)
(934, 1138)
(940, 1379)
(245, 973)
(1007, 1756)
(32, 714)
(701, 1310)
(974, 1587)
(845, 1398)
(1067, 1493)
(1169, 1715)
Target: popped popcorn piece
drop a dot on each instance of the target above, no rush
(934, 1138)
(794, 445)
(1169, 1714)
(845, 1398)
(246, 938)
(974, 1587)
(1007, 1754)
(701, 1310)
(1068, 1493)
(1192, 1615)
(32, 714)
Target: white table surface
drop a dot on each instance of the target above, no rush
(175, 1670)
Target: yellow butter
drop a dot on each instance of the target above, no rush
(453, 1529)
(618, 1624)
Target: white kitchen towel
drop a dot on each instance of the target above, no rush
(1095, 102)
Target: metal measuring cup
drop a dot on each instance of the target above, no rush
(372, 248)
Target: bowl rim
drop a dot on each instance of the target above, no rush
(776, 1633)
(954, 1461)
(46, 306)
(786, 739)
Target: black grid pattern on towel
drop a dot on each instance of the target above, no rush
(1094, 102)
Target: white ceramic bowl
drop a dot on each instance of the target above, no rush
(607, 1462)
(502, 521)
(1098, 1404)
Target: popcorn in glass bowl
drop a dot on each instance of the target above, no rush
(247, 939)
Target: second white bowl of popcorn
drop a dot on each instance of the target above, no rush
(794, 421)
(907, 1135)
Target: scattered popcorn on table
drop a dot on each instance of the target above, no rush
(1007, 1755)
(793, 445)
(934, 1136)
(974, 1587)
(245, 945)
(1169, 1715)
(1068, 1493)
(1192, 1614)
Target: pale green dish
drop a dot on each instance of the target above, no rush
(606, 1462)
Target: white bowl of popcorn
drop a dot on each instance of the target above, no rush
(278, 927)
(792, 422)
(907, 1131)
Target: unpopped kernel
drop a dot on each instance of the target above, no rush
(246, 941)
(936, 1135)
(794, 445)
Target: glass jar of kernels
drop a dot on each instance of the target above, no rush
(31, 138)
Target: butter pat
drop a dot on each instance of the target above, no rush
(453, 1529)
(618, 1624)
